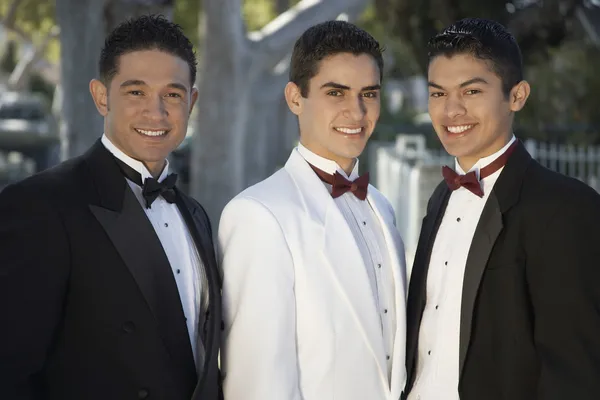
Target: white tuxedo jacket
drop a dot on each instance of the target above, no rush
(300, 317)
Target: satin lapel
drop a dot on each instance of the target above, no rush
(131, 233)
(343, 259)
(199, 227)
(398, 265)
(503, 197)
(417, 291)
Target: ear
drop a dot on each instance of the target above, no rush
(293, 97)
(100, 96)
(519, 95)
(193, 98)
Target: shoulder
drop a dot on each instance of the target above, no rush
(548, 196)
(49, 185)
(275, 192)
(552, 187)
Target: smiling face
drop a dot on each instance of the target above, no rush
(342, 107)
(147, 105)
(470, 113)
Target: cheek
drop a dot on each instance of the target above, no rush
(436, 110)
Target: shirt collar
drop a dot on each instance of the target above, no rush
(485, 161)
(137, 166)
(326, 165)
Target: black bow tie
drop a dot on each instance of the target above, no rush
(151, 187)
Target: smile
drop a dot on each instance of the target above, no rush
(349, 131)
(459, 128)
(152, 133)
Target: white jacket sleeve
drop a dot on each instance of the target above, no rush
(259, 355)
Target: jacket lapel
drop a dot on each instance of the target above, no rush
(199, 226)
(503, 197)
(417, 291)
(128, 228)
(395, 249)
(486, 233)
(343, 258)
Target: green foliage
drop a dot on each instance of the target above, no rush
(258, 13)
(563, 105)
(35, 18)
(187, 14)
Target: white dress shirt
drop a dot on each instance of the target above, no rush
(177, 242)
(438, 353)
(369, 238)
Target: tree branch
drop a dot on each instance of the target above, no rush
(276, 39)
(26, 64)
(9, 18)
(32, 62)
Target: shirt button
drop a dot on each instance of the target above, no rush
(436, 307)
(429, 352)
(387, 357)
(379, 265)
(364, 222)
(446, 263)
(458, 219)
(385, 311)
(166, 225)
(178, 271)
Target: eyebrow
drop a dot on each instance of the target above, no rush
(344, 87)
(465, 83)
(138, 82)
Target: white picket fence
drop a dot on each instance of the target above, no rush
(406, 172)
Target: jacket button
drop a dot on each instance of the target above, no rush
(128, 327)
(143, 394)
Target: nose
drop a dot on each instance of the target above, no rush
(154, 108)
(355, 109)
(454, 107)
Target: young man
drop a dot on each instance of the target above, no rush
(108, 281)
(505, 289)
(314, 269)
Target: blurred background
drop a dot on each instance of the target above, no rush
(241, 130)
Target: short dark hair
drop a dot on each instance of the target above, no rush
(328, 39)
(483, 39)
(147, 32)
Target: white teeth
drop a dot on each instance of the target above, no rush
(459, 129)
(349, 131)
(151, 133)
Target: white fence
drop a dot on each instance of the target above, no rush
(406, 172)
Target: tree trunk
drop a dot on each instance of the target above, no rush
(117, 11)
(83, 26)
(81, 37)
(242, 127)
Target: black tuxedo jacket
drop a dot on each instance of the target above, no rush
(530, 314)
(89, 307)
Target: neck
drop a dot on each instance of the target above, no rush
(347, 164)
(466, 162)
(155, 168)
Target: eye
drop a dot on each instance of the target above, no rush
(370, 95)
(334, 93)
(472, 91)
(176, 95)
(436, 94)
(135, 92)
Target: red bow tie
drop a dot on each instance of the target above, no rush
(341, 185)
(469, 181)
